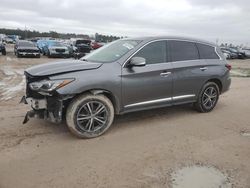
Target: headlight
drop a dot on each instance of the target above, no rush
(52, 50)
(49, 85)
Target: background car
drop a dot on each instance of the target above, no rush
(247, 52)
(95, 45)
(24, 48)
(9, 40)
(70, 48)
(227, 55)
(240, 54)
(2, 48)
(40, 45)
(81, 47)
(56, 49)
(234, 54)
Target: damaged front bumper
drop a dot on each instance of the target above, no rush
(49, 108)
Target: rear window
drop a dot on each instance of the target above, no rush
(182, 50)
(207, 52)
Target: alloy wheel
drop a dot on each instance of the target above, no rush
(92, 116)
(209, 97)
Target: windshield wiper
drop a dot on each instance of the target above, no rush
(84, 59)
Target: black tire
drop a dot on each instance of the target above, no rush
(79, 119)
(48, 54)
(18, 55)
(208, 97)
(3, 52)
(38, 56)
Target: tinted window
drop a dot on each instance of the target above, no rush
(207, 52)
(181, 51)
(154, 52)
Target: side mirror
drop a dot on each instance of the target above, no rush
(137, 62)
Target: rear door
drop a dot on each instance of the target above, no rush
(188, 70)
(151, 85)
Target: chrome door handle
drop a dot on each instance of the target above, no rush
(165, 74)
(203, 68)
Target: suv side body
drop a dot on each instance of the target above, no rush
(176, 71)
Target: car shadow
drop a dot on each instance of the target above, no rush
(133, 118)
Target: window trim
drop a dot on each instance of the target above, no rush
(165, 39)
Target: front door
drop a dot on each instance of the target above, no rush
(151, 85)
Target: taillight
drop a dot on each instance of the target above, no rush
(229, 67)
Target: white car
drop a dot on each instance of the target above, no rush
(227, 55)
(247, 52)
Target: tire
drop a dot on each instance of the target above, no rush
(3, 52)
(80, 121)
(18, 55)
(208, 97)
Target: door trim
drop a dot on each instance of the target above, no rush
(183, 97)
(160, 100)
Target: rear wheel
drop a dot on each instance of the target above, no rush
(208, 97)
(89, 116)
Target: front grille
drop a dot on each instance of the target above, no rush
(60, 50)
(84, 49)
(29, 51)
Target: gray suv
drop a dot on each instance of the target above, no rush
(125, 76)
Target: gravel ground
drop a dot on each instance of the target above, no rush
(143, 149)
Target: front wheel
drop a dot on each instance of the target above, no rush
(89, 116)
(208, 97)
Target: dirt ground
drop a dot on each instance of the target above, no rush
(141, 149)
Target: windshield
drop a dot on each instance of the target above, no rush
(26, 44)
(112, 52)
(83, 42)
(233, 50)
(54, 43)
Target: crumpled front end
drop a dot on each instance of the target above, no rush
(48, 106)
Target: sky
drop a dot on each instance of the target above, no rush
(213, 20)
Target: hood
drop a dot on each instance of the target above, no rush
(58, 47)
(61, 67)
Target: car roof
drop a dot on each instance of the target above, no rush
(152, 38)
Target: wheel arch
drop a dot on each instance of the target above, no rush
(114, 100)
(109, 95)
(217, 81)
